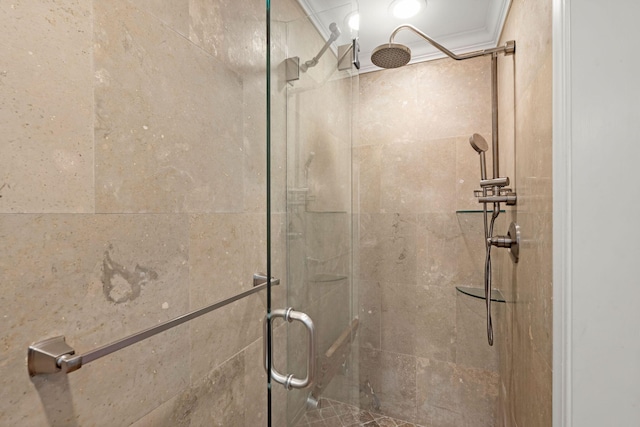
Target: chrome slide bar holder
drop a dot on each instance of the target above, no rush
(496, 182)
(54, 355)
(289, 381)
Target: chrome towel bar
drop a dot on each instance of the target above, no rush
(55, 355)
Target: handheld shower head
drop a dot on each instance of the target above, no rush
(335, 31)
(480, 145)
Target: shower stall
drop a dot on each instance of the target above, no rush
(196, 193)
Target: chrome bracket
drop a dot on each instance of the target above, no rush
(345, 61)
(510, 47)
(292, 69)
(289, 381)
(496, 195)
(261, 279)
(49, 356)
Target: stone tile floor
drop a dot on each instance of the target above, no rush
(338, 414)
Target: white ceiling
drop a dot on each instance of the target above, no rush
(459, 25)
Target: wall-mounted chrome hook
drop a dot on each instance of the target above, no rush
(511, 241)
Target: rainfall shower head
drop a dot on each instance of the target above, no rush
(480, 145)
(394, 55)
(391, 55)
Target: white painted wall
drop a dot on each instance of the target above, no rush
(596, 213)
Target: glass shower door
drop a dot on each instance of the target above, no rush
(313, 101)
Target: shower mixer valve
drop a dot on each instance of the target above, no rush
(510, 241)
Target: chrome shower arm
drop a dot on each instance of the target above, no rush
(508, 48)
(335, 33)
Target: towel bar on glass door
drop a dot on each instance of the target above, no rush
(55, 355)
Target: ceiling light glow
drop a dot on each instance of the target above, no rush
(354, 21)
(403, 9)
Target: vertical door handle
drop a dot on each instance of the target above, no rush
(289, 381)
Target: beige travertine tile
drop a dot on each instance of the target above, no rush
(452, 395)
(222, 333)
(286, 10)
(234, 35)
(534, 156)
(439, 236)
(93, 279)
(330, 173)
(423, 175)
(529, 24)
(418, 177)
(478, 391)
(438, 397)
(168, 119)
(331, 313)
(393, 378)
(328, 236)
(255, 386)
(387, 248)
(435, 331)
(216, 399)
(471, 248)
(174, 14)
(369, 314)
(399, 317)
(219, 398)
(345, 387)
(254, 148)
(388, 106)
(472, 347)
(227, 249)
(454, 98)
(160, 416)
(525, 348)
(507, 107)
(46, 107)
(368, 159)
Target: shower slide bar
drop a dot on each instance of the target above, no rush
(55, 355)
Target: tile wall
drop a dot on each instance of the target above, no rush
(524, 329)
(423, 351)
(133, 191)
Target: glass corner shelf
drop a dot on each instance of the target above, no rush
(326, 278)
(473, 211)
(496, 295)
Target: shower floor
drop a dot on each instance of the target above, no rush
(338, 414)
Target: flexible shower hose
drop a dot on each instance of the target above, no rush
(488, 232)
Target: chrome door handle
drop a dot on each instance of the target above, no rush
(289, 381)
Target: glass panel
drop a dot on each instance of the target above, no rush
(318, 108)
(133, 160)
